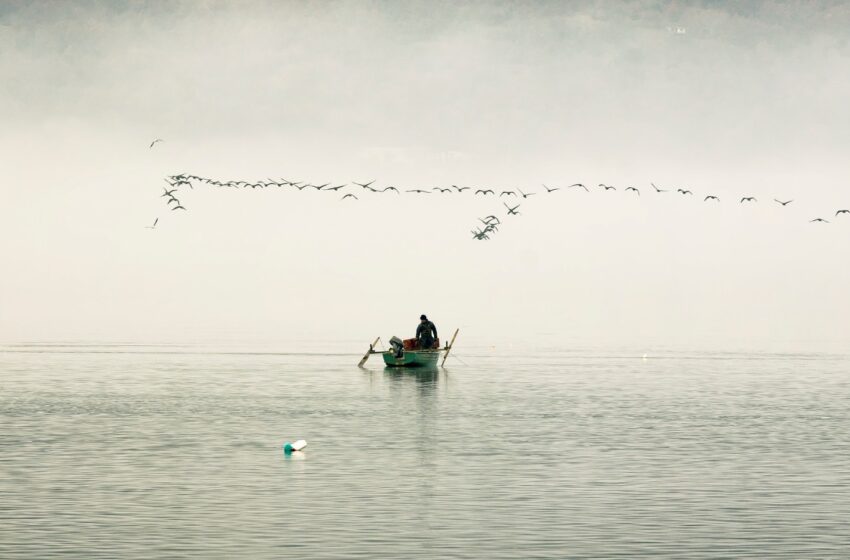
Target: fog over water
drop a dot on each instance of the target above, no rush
(727, 98)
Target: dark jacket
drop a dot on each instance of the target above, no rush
(425, 329)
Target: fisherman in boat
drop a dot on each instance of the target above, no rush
(426, 333)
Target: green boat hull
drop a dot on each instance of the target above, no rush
(412, 358)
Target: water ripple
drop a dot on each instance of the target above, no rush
(175, 453)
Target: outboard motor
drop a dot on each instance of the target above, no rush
(398, 346)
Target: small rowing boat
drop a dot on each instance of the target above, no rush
(413, 358)
(406, 354)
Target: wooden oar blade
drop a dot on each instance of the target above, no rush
(368, 352)
(449, 347)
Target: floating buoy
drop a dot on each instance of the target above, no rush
(297, 446)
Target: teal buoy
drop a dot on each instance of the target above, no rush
(288, 448)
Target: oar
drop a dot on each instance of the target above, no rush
(449, 347)
(368, 352)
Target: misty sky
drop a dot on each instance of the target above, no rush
(747, 98)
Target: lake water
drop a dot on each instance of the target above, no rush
(175, 452)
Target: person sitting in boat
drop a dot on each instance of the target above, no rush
(426, 333)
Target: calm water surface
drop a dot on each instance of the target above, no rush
(175, 452)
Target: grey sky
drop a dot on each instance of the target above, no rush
(750, 100)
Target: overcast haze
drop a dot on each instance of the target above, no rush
(746, 98)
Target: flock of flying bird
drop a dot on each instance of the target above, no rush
(484, 232)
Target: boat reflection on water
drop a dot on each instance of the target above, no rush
(424, 377)
(415, 392)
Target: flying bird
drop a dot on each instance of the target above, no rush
(842, 212)
(168, 192)
(485, 192)
(819, 220)
(364, 185)
(748, 199)
(553, 189)
(349, 195)
(178, 207)
(182, 182)
(460, 189)
(711, 197)
(578, 185)
(391, 189)
(512, 211)
(154, 224)
(489, 226)
(336, 188)
(526, 195)
(632, 189)
(786, 203)
(608, 187)
(509, 193)
(684, 191)
(656, 188)
(442, 190)
(155, 141)
(418, 191)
